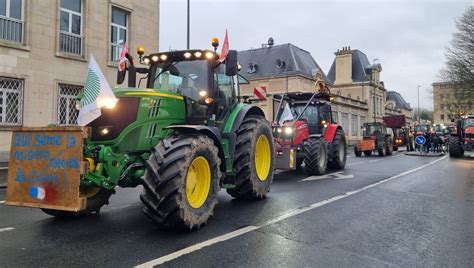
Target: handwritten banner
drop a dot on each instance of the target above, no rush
(45, 167)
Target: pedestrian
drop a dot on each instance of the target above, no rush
(435, 140)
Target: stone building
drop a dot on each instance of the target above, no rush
(450, 101)
(396, 105)
(280, 68)
(45, 46)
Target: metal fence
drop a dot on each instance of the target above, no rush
(11, 101)
(70, 43)
(67, 111)
(11, 29)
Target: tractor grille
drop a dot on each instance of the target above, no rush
(115, 120)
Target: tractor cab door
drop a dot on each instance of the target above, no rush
(225, 90)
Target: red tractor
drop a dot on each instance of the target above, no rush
(401, 133)
(463, 139)
(305, 132)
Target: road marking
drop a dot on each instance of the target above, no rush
(6, 229)
(336, 176)
(371, 161)
(3, 201)
(357, 163)
(286, 215)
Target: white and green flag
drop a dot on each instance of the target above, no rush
(97, 94)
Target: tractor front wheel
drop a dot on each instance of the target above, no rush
(389, 146)
(315, 156)
(253, 159)
(455, 147)
(181, 182)
(382, 148)
(357, 152)
(97, 197)
(339, 151)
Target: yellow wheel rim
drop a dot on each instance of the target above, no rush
(263, 156)
(198, 182)
(89, 191)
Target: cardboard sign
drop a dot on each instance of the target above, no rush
(44, 168)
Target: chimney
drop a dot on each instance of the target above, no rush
(343, 66)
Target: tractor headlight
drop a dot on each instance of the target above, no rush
(288, 130)
(104, 131)
(78, 104)
(279, 130)
(108, 103)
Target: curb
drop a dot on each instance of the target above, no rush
(427, 155)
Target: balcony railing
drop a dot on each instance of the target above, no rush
(11, 29)
(70, 43)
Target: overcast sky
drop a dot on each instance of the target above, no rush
(408, 37)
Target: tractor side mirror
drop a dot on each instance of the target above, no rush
(120, 76)
(231, 66)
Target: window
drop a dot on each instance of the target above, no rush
(11, 20)
(67, 112)
(345, 121)
(11, 101)
(354, 127)
(118, 33)
(441, 117)
(441, 106)
(70, 27)
(362, 121)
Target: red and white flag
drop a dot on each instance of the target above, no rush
(122, 64)
(225, 49)
(260, 92)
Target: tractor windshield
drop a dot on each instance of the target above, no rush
(469, 122)
(372, 130)
(422, 128)
(187, 78)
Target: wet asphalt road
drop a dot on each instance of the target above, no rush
(391, 211)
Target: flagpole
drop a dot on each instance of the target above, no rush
(188, 26)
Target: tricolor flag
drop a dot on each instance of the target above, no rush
(260, 92)
(122, 64)
(225, 49)
(97, 94)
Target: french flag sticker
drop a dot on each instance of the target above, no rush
(37, 192)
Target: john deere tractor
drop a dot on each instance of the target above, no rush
(183, 135)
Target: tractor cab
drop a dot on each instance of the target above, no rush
(372, 130)
(421, 129)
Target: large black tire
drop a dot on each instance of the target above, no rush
(368, 153)
(389, 146)
(165, 182)
(357, 152)
(93, 205)
(382, 148)
(339, 151)
(249, 184)
(315, 156)
(455, 147)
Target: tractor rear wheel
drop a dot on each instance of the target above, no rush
(315, 156)
(368, 153)
(181, 182)
(455, 147)
(97, 197)
(382, 148)
(253, 159)
(357, 152)
(389, 146)
(339, 151)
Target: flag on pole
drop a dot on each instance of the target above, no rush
(97, 94)
(225, 49)
(122, 64)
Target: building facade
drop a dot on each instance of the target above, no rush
(451, 101)
(45, 46)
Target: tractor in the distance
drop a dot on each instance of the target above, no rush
(376, 137)
(305, 132)
(401, 133)
(422, 130)
(463, 139)
(183, 137)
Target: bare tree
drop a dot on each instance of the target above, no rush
(459, 68)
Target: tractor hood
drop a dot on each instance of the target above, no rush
(469, 130)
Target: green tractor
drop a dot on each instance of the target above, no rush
(183, 137)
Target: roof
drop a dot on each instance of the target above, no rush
(361, 67)
(400, 102)
(278, 60)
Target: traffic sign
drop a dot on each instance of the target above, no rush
(420, 140)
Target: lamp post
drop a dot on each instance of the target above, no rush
(418, 91)
(373, 78)
(188, 27)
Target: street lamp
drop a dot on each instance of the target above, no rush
(373, 78)
(418, 91)
(188, 28)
